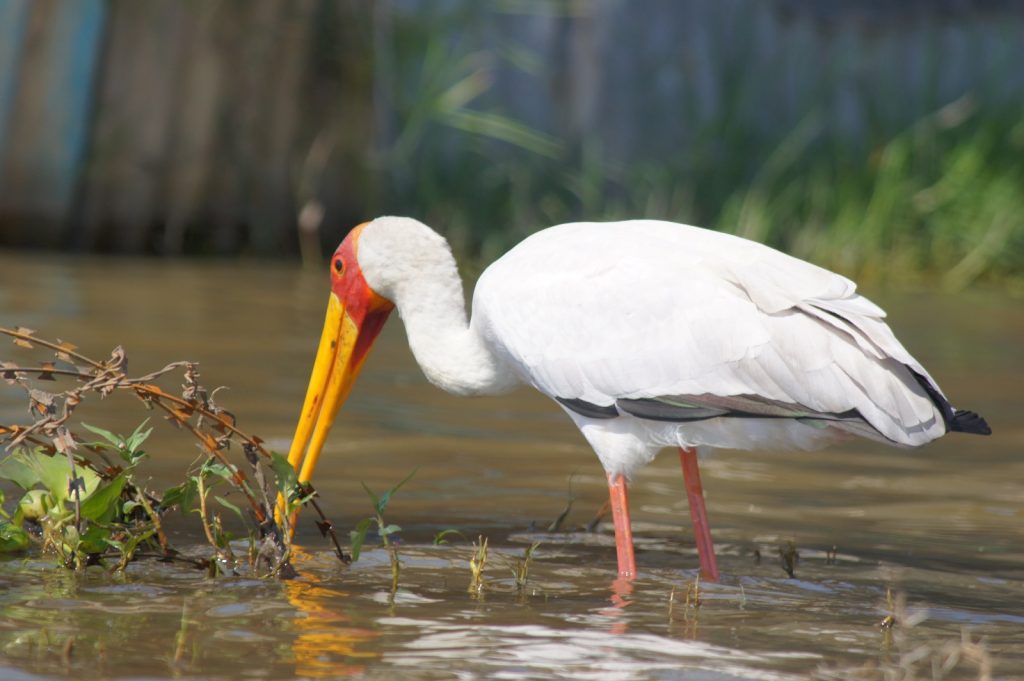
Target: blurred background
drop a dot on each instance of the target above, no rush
(882, 139)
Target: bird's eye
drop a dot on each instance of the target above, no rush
(338, 265)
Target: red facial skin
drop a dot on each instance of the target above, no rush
(367, 310)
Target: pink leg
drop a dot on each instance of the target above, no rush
(623, 532)
(698, 514)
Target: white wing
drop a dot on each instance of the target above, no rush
(601, 312)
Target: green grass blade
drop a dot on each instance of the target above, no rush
(359, 536)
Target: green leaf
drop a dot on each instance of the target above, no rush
(231, 507)
(183, 496)
(15, 469)
(94, 540)
(101, 505)
(505, 129)
(129, 545)
(115, 440)
(286, 477)
(382, 503)
(71, 537)
(439, 538)
(373, 497)
(127, 448)
(12, 538)
(55, 474)
(35, 504)
(389, 530)
(224, 539)
(172, 496)
(463, 92)
(359, 536)
(301, 501)
(136, 439)
(218, 469)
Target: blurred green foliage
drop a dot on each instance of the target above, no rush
(942, 199)
(878, 139)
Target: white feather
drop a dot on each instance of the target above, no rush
(644, 309)
(602, 311)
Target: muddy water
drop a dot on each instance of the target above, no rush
(941, 528)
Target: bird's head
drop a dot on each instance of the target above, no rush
(376, 264)
(355, 315)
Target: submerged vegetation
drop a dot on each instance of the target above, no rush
(84, 501)
(908, 657)
(384, 530)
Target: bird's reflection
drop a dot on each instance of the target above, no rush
(621, 598)
(325, 646)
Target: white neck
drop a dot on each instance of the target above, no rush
(409, 264)
(450, 352)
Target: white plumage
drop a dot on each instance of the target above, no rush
(653, 334)
(644, 309)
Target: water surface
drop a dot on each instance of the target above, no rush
(940, 527)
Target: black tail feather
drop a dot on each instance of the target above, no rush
(968, 422)
(957, 421)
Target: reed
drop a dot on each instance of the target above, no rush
(938, 202)
(939, 199)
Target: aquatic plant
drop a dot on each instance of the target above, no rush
(570, 498)
(442, 536)
(521, 566)
(692, 599)
(906, 657)
(384, 530)
(477, 563)
(789, 557)
(82, 496)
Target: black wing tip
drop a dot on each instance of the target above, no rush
(957, 421)
(964, 421)
(588, 409)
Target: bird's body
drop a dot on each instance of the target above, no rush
(652, 334)
(633, 316)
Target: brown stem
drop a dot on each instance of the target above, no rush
(53, 346)
(154, 392)
(165, 546)
(221, 552)
(48, 447)
(326, 526)
(210, 445)
(44, 370)
(105, 377)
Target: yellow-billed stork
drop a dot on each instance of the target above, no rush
(648, 334)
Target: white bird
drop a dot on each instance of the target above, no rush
(648, 334)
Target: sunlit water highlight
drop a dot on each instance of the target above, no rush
(940, 526)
